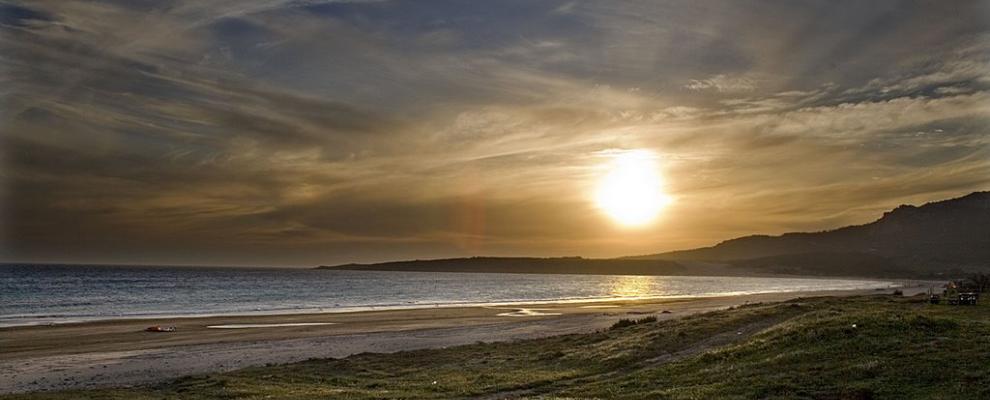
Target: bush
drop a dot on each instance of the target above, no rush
(977, 282)
(622, 323)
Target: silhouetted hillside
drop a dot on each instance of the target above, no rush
(945, 236)
(825, 263)
(560, 265)
(949, 234)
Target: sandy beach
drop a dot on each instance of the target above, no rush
(121, 353)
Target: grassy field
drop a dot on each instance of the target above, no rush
(819, 348)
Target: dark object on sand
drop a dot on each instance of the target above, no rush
(159, 328)
(665, 312)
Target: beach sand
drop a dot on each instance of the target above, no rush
(120, 353)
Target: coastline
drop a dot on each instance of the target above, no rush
(120, 353)
(60, 320)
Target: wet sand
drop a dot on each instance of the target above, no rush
(120, 353)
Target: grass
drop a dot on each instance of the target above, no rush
(821, 348)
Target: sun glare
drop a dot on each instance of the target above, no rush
(631, 193)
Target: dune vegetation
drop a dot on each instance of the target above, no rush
(815, 348)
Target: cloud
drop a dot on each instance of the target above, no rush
(723, 83)
(297, 133)
(17, 16)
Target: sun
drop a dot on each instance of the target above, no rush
(631, 193)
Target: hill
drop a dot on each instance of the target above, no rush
(948, 237)
(908, 240)
(531, 265)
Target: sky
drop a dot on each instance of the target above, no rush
(306, 132)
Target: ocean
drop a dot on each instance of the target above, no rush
(32, 294)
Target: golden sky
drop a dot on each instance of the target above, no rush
(290, 132)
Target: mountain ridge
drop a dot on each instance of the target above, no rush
(941, 237)
(945, 234)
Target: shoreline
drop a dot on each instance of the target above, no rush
(119, 353)
(73, 320)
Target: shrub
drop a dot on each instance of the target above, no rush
(977, 282)
(622, 323)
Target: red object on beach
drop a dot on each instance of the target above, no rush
(159, 328)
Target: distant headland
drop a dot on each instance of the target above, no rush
(935, 240)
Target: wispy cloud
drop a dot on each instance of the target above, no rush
(299, 132)
(723, 83)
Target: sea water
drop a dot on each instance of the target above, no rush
(32, 294)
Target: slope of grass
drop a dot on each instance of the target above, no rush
(822, 348)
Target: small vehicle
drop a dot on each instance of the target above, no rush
(962, 298)
(954, 295)
(934, 298)
(968, 298)
(159, 328)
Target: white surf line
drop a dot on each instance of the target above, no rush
(246, 326)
